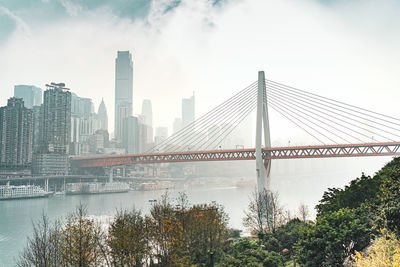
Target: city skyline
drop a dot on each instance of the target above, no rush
(213, 49)
(166, 105)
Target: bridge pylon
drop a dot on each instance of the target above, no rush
(263, 167)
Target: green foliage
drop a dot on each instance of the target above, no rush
(82, 241)
(333, 237)
(205, 232)
(128, 239)
(285, 236)
(245, 252)
(361, 191)
(390, 195)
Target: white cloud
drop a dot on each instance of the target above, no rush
(345, 51)
(22, 27)
(72, 9)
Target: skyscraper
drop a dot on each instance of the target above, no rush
(130, 134)
(147, 114)
(55, 134)
(31, 95)
(102, 115)
(123, 90)
(188, 111)
(15, 134)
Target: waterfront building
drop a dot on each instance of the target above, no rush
(31, 95)
(50, 163)
(15, 135)
(123, 90)
(188, 110)
(55, 134)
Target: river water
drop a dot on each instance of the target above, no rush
(295, 186)
(17, 215)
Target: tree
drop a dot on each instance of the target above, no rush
(285, 236)
(245, 252)
(334, 237)
(264, 212)
(167, 235)
(205, 232)
(389, 198)
(361, 191)
(128, 239)
(44, 247)
(83, 241)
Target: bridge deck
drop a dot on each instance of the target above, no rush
(323, 151)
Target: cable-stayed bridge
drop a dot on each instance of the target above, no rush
(340, 129)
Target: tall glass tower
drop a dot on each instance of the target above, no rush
(123, 90)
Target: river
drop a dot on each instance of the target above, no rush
(297, 186)
(17, 215)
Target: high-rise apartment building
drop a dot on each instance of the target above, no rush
(123, 90)
(56, 119)
(15, 134)
(147, 114)
(37, 123)
(31, 95)
(188, 111)
(55, 134)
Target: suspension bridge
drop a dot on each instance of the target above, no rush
(340, 129)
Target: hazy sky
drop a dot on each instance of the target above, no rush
(346, 49)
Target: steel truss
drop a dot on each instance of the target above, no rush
(325, 151)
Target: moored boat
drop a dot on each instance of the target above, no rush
(96, 188)
(22, 191)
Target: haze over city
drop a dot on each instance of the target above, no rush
(234, 124)
(214, 49)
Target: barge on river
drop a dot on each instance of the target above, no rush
(22, 191)
(96, 188)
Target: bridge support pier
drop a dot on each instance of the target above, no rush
(263, 167)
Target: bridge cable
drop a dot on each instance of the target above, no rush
(274, 95)
(305, 118)
(315, 96)
(230, 111)
(182, 134)
(302, 101)
(205, 118)
(245, 104)
(287, 116)
(228, 130)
